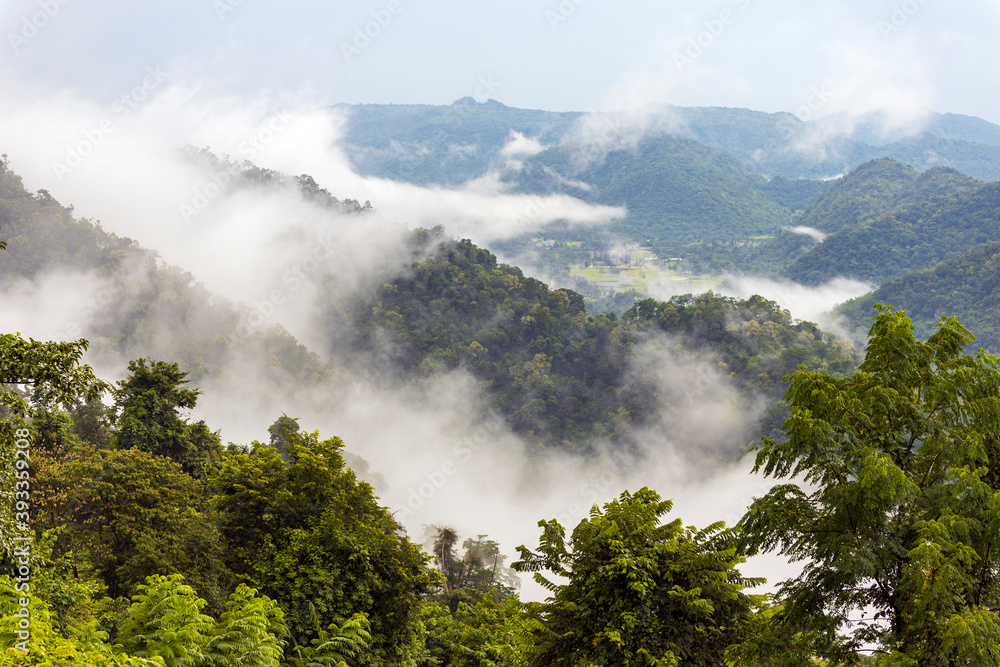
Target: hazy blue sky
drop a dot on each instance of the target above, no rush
(551, 54)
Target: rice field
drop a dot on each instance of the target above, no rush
(640, 277)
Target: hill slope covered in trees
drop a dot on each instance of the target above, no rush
(967, 287)
(911, 236)
(557, 373)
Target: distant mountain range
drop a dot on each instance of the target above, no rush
(449, 145)
(686, 175)
(911, 208)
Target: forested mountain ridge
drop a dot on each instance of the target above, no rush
(673, 188)
(911, 236)
(833, 223)
(870, 189)
(140, 298)
(559, 375)
(967, 287)
(393, 140)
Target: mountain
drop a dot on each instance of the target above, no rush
(780, 144)
(878, 129)
(673, 188)
(686, 175)
(140, 305)
(916, 234)
(870, 189)
(966, 287)
(449, 145)
(558, 376)
(820, 244)
(440, 145)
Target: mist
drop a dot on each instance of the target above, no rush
(265, 259)
(810, 304)
(447, 459)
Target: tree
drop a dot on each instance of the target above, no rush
(35, 377)
(637, 592)
(280, 431)
(309, 534)
(165, 621)
(892, 504)
(250, 632)
(150, 400)
(481, 568)
(50, 372)
(91, 423)
(132, 515)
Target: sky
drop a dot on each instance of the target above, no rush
(559, 55)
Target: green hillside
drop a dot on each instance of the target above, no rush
(911, 236)
(145, 305)
(872, 189)
(560, 376)
(966, 287)
(673, 188)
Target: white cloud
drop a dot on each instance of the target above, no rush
(519, 145)
(811, 232)
(811, 304)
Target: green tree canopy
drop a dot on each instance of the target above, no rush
(133, 515)
(279, 432)
(315, 538)
(49, 372)
(35, 378)
(891, 502)
(637, 591)
(150, 400)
